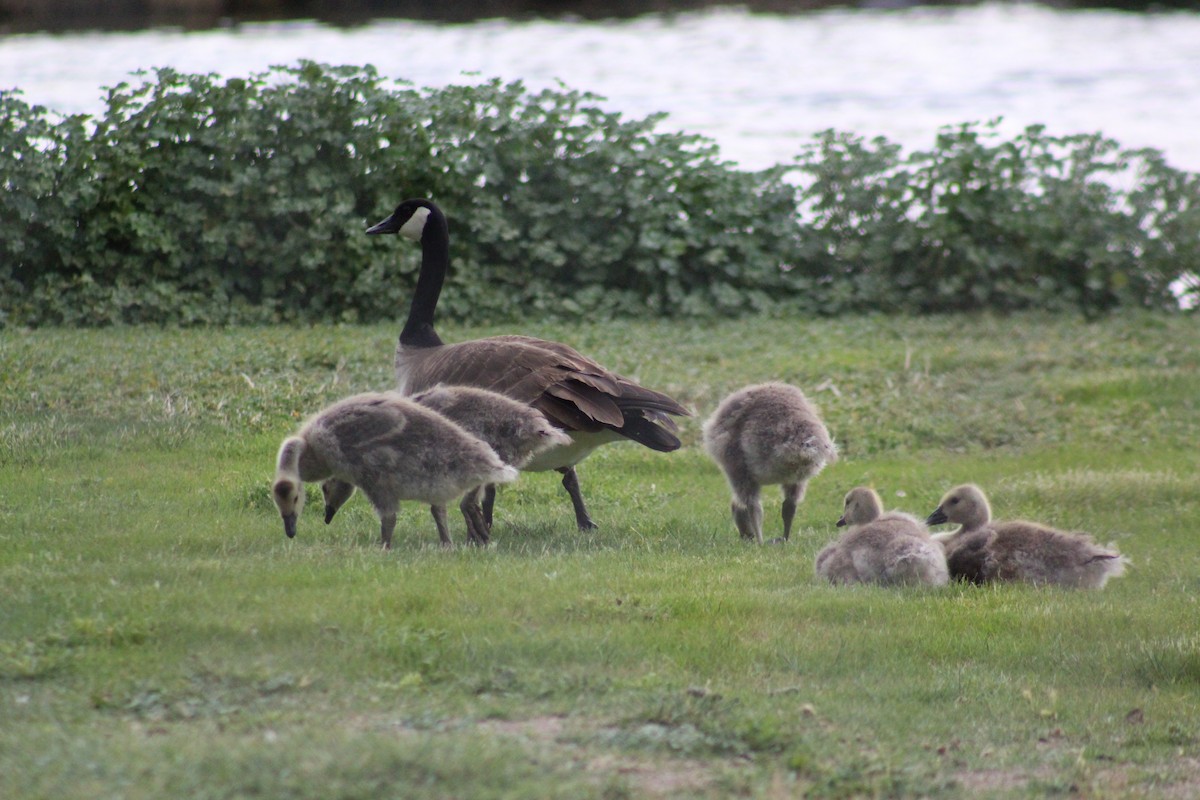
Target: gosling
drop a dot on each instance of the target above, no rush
(891, 549)
(516, 431)
(391, 448)
(767, 434)
(982, 551)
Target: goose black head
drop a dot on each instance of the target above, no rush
(408, 220)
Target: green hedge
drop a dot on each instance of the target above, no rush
(196, 199)
(983, 223)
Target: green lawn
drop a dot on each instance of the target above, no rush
(159, 636)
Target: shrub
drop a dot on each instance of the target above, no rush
(199, 200)
(976, 223)
(196, 199)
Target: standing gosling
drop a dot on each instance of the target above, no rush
(766, 434)
(516, 431)
(981, 551)
(888, 549)
(391, 448)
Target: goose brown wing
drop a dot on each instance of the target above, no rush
(639, 397)
(565, 415)
(572, 390)
(625, 393)
(520, 372)
(589, 400)
(583, 369)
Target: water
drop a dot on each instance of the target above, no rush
(760, 85)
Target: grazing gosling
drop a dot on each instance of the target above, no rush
(765, 434)
(516, 431)
(391, 448)
(887, 549)
(981, 551)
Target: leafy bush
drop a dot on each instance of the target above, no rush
(1035, 222)
(194, 199)
(197, 200)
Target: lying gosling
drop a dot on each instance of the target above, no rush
(391, 448)
(767, 434)
(516, 431)
(887, 549)
(981, 551)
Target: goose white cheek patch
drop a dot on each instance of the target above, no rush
(416, 223)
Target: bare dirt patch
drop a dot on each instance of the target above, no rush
(542, 729)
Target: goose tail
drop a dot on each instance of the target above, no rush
(645, 432)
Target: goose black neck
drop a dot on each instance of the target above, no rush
(435, 261)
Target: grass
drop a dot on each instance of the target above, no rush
(160, 636)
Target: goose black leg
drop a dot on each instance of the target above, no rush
(570, 482)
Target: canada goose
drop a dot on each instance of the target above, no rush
(391, 448)
(981, 550)
(765, 434)
(592, 404)
(514, 430)
(887, 549)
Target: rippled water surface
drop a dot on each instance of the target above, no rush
(758, 84)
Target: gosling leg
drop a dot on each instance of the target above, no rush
(747, 516)
(387, 524)
(793, 494)
(477, 527)
(439, 519)
(489, 500)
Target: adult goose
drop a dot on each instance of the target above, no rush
(594, 405)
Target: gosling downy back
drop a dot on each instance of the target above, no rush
(889, 549)
(982, 550)
(516, 431)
